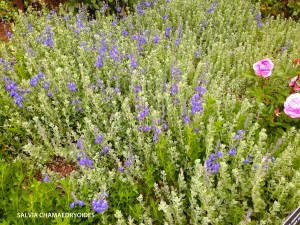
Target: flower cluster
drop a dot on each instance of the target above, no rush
(129, 160)
(257, 18)
(157, 132)
(196, 100)
(99, 205)
(104, 8)
(212, 8)
(114, 53)
(101, 57)
(72, 86)
(167, 31)
(142, 114)
(104, 150)
(137, 88)
(212, 165)
(11, 87)
(156, 39)
(34, 80)
(174, 89)
(98, 139)
(144, 128)
(238, 136)
(232, 151)
(186, 118)
(84, 161)
(141, 6)
(47, 38)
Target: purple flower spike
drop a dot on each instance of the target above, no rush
(99, 205)
(81, 203)
(232, 151)
(186, 118)
(72, 86)
(83, 161)
(208, 163)
(210, 10)
(46, 86)
(165, 126)
(176, 100)
(133, 63)
(99, 139)
(10, 85)
(137, 88)
(155, 39)
(79, 144)
(144, 113)
(236, 136)
(34, 81)
(105, 149)
(265, 166)
(146, 128)
(240, 132)
(174, 89)
(46, 178)
(219, 154)
(212, 157)
(124, 33)
(177, 41)
(72, 205)
(216, 167)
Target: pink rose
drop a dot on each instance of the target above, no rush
(294, 83)
(263, 68)
(292, 106)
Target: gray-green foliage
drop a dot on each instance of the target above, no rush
(168, 180)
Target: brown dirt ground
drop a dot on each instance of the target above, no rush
(4, 28)
(59, 166)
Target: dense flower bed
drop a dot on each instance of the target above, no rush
(184, 113)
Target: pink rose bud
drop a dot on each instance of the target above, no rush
(263, 68)
(292, 106)
(276, 112)
(294, 84)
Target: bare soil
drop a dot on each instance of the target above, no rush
(59, 166)
(4, 28)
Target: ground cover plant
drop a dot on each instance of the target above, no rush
(186, 112)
